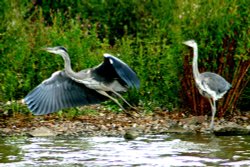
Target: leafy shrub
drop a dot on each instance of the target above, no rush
(147, 35)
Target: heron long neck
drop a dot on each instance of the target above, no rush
(67, 67)
(195, 63)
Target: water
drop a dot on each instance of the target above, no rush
(150, 150)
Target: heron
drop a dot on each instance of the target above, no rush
(67, 88)
(210, 85)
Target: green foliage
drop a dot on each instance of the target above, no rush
(72, 113)
(147, 35)
(12, 107)
(221, 29)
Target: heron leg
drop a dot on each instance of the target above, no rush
(107, 95)
(115, 100)
(213, 106)
(211, 103)
(116, 93)
(119, 95)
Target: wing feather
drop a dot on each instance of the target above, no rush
(215, 82)
(114, 68)
(59, 92)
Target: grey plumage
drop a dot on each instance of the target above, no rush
(215, 83)
(210, 85)
(67, 88)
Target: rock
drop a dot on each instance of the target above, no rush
(193, 120)
(42, 132)
(179, 130)
(6, 130)
(131, 134)
(104, 128)
(194, 128)
(231, 130)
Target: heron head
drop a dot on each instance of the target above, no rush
(190, 43)
(56, 50)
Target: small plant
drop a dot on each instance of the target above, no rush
(10, 108)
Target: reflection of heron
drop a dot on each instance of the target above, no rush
(67, 88)
(210, 85)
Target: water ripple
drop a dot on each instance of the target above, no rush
(150, 150)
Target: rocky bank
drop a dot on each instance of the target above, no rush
(107, 123)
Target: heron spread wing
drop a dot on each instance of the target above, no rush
(114, 68)
(215, 82)
(58, 92)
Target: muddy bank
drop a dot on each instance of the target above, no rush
(107, 123)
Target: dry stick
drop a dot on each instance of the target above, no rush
(192, 85)
(243, 87)
(193, 92)
(202, 100)
(191, 97)
(202, 106)
(220, 69)
(183, 84)
(247, 79)
(221, 65)
(241, 83)
(188, 84)
(229, 63)
(194, 98)
(241, 71)
(233, 92)
(221, 59)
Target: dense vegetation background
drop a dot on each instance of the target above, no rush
(146, 34)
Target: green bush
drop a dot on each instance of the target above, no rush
(147, 35)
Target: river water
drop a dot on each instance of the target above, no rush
(149, 150)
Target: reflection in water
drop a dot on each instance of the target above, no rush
(9, 152)
(157, 150)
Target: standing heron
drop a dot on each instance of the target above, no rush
(210, 85)
(67, 88)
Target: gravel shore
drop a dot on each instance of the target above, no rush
(107, 123)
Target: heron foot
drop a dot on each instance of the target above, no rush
(130, 114)
(211, 128)
(136, 110)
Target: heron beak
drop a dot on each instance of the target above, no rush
(185, 43)
(190, 43)
(50, 50)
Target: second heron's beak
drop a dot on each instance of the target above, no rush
(189, 43)
(186, 43)
(49, 49)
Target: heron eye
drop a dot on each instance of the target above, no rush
(62, 48)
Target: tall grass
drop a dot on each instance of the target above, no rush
(147, 35)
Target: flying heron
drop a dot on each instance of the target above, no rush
(67, 88)
(210, 85)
